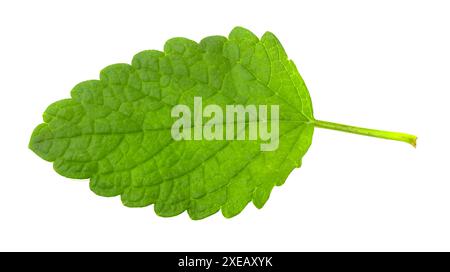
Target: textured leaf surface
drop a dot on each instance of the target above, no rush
(116, 131)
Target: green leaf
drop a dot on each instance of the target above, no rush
(116, 131)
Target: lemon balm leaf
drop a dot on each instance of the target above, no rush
(117, 131)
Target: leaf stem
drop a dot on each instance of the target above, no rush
(396, 136)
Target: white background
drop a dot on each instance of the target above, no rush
(380, 64)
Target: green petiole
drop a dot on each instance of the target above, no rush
(396, 136)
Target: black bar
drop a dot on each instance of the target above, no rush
(227, 261)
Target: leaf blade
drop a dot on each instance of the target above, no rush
(116, 130)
